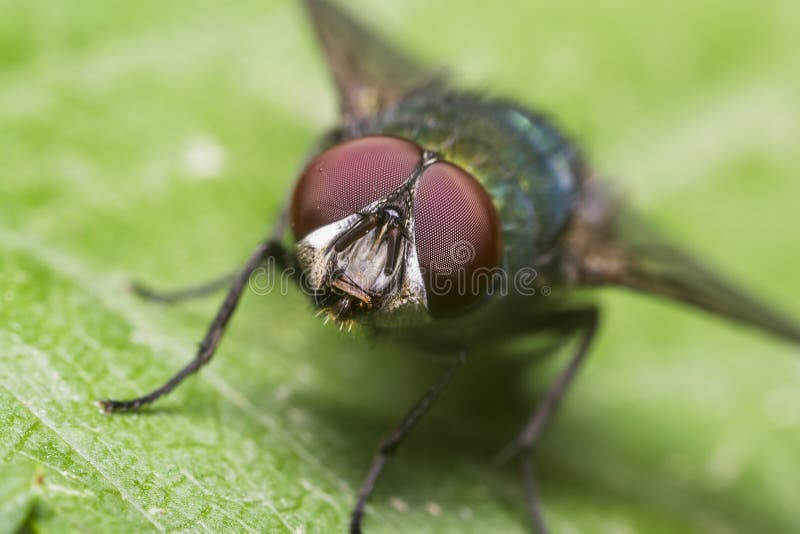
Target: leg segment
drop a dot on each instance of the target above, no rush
(532, 494)
(587, 321)
(267, 249)
(212, 286)
(390, 443)
(171, 297)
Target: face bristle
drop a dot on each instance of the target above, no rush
(330, 315)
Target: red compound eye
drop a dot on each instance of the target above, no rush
(349, 177)
(458, 237)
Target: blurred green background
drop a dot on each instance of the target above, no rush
(156, 140)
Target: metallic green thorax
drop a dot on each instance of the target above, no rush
(530, 170)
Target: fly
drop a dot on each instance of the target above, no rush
(451, 220)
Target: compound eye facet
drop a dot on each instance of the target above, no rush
(458, 237)
(348, 177)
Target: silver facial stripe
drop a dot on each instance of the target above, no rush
(370, 256)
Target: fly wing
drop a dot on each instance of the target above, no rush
(370, 74)
(620, 249)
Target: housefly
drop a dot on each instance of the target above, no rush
(453, 220)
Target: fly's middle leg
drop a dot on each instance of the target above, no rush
(209, 287)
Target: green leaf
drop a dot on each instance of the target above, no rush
(156, 140)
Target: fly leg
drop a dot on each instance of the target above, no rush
(264, 251)
(585, 320)
(212, 286)
(390, 443)
(178, 295)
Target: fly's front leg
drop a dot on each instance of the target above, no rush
(390, 443)
(266, 250)
(585, 320)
